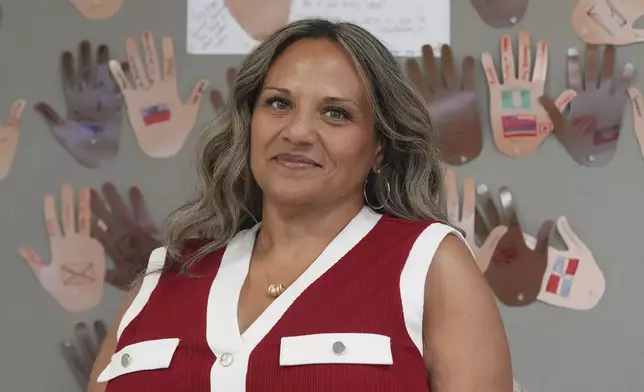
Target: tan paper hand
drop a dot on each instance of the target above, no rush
(573, 279)
(519, 123)
(608, 22)
(464, 217)
(160, 121)
(75, 275)
(9, 135)
(638, 115)
(216, 99)
(97, 9)
(259, 18)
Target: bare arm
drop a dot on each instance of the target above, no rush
(109, 346)
(465, 345)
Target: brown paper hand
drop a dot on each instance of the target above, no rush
(9, 135)
(519, 122)
(592, 128)
(74, 277)
(81, 351)
(452, 104)
(216, 99)
(97, 9)
(258, 18)
(515, 272)
(160, 121)
(468, 220)
(127, 238)
(500, 13)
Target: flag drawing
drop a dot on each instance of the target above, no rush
(519, 126)
(156, 114)
(561, 276)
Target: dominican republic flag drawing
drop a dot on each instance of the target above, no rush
(561, 276)
(519, 126)
(155, 114)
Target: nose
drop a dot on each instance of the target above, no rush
(301, 129)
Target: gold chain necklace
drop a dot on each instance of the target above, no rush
(274, 290)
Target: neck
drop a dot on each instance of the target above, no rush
(288, 233)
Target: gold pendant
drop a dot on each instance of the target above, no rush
(274, 290)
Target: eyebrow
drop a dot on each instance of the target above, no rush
(326, 99)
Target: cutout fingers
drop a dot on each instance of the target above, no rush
(136, 65)
(525, 56)
(151, 57)
(574, 70)
(451, 195)
(51, 218)
(507, 59)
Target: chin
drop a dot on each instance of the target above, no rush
(291, 194)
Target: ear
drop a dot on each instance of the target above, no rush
(378, 157)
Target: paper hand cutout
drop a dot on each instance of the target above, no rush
(452, 104)
(516, 271)
(608, 22)
(573, 279)
(592, 130)
(500, 13)
(516, 387)
(258, 18)
(91, 132)
(464, 218)
(81, 351)
(127, 238)
(9, 135)
(74, 277)
(97, 9)
(519, 122)
(216, 99)
(638, 116)
(160, 121)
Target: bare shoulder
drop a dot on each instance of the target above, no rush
(454, 261)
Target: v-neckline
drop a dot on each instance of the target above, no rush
(223, 333)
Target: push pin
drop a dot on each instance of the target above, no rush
(463, 159)
(513, 20)
(591, 158)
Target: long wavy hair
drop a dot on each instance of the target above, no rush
(227, 198)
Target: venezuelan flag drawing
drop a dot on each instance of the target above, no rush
(156, 114)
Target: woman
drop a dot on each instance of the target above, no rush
(325, 143)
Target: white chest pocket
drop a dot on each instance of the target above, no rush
(339, 348)
(147, 355)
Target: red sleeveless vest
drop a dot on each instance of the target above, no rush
(351, 322)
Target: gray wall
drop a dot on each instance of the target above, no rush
(553, 349)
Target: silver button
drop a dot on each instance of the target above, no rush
(226, 359)
(126, 360)
(339, 348)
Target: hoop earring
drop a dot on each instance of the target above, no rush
(366, 199)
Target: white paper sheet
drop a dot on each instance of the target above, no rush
(404, 25)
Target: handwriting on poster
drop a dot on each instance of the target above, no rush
(401, 24)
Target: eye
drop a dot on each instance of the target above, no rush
(279, 104)
(336, 113)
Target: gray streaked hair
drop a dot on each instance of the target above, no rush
(227, 198)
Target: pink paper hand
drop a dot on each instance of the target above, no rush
(74, 277)
(160, 121)
(9, 135)
(464, 217)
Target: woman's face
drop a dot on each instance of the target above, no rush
(312, 134)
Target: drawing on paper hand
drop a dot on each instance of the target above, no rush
(516, 99)
(259, 19)
(603, 22)
(77, 274)
(561, 276)
(519, 126)
(156, 114)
